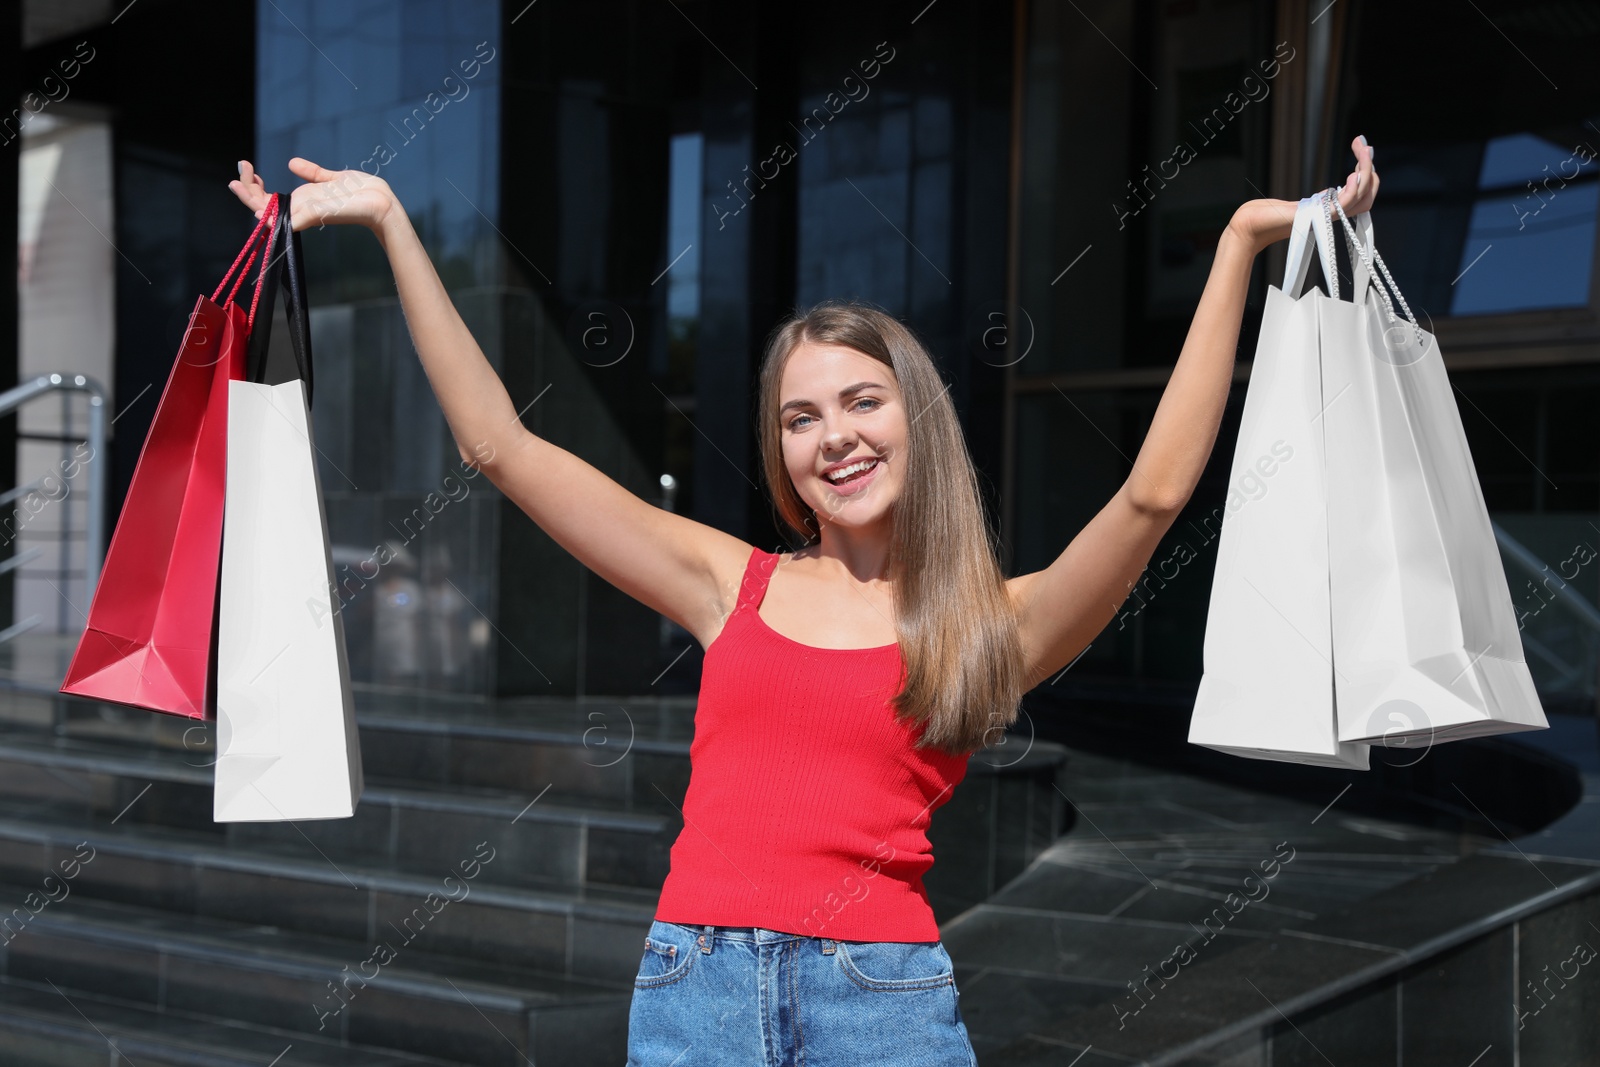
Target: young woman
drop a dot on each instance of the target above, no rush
(845, 683)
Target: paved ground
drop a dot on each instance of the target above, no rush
(1148, 866)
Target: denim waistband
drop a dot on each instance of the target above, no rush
(707, 935)
(759, 935)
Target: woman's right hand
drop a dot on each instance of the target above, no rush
(329, 196)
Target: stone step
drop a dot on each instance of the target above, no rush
(40, 1027)
(388, 993)
(626, 755)
(593, 935)
(543, 840)
(621, 754)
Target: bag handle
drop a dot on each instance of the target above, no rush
(1362, 239)
(252, 245)
(286, 265)
(1364, 254)
(299, 306)
(1310, 225)
(1357, 241)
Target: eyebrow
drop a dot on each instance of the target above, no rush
(848, 390)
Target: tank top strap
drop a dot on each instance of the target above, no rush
(757, 573)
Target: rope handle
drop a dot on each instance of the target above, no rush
(253, 247)
(266, 218)
(1330, 201)
(280, 218)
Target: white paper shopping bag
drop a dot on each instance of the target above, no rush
(287, 746)
(1267, 691)
(1424, 634)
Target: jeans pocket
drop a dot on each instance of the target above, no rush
(669, 952)
(888, 966)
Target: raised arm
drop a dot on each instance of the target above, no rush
(685, 570)
(1063, 607)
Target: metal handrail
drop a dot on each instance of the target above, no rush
(16, 396)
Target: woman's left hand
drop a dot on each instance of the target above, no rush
(1262, 222)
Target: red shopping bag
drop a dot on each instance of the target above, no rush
(149, 639)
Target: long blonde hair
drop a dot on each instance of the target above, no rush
(957, 630)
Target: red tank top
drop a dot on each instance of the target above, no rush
(807, 807)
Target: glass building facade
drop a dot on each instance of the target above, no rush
(621, 210)
(411, 93)
(1137, 143)
(624, 200)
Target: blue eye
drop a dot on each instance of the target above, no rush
(792, 423)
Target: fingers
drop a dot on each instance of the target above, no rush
(1361, 187)
(1369, 177)
(250, 189)
(325, 197)
(308, 170)
(248, 175)
(301, 215)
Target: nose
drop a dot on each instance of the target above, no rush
(839, 435)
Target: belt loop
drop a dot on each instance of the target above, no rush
(828, 945)
(705, 940)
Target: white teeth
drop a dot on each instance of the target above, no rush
(845, 472)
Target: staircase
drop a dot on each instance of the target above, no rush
(486, 904)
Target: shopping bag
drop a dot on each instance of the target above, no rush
(287, 746)
(148, 635)
(1267, 688)
(1425, 637)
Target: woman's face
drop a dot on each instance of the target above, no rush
(838, 407)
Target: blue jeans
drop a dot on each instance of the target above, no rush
(742, 996)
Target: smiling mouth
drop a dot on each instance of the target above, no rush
(854, 472)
